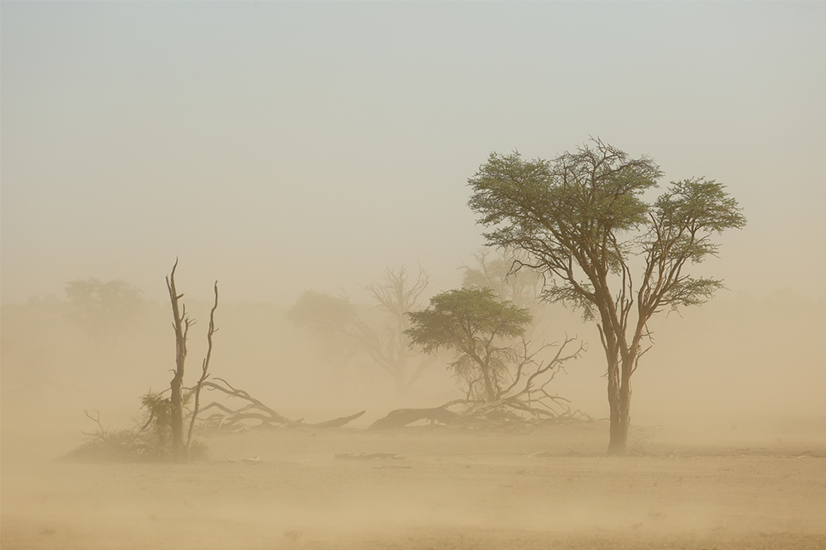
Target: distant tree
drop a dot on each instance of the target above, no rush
(351, 332)
(494, 271)
(105, 309)
(395, 296)
(585, 226)
(321, 314)
(480, 329)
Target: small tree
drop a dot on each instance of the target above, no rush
(582, 221)
(493, 360)
(476, 326)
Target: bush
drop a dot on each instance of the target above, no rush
(149, 442)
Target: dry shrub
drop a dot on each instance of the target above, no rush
(149, 441)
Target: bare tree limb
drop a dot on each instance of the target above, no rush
(204, 369)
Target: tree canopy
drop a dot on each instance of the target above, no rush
(475, 325)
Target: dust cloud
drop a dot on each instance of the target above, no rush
(726, 449)
(285, 147)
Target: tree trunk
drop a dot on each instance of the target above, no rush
(177, 420)
(618, 442)
(181, 325)
(490, 393)
(619, 401)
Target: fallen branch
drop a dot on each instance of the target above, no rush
(340, 421)
(403, 417)
(234, 418)
(507, 414)
(523, 404)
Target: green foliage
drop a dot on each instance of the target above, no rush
(580, 218)
(473, 323)
(460, 319)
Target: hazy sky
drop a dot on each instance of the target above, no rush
(280, 147)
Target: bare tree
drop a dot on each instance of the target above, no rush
(204, 370)
(231, 417)
(396, 296)
(381, 337)
(181, 322)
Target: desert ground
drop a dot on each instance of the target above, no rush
(303, 488)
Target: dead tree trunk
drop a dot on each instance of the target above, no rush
(181, 324)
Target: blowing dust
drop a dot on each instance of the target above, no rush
(726, 449)
(308, 488)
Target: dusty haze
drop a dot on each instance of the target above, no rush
(284, 147)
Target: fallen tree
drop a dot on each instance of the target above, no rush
(235, 417)
(404, 417)
(522, 404)
(477, 415)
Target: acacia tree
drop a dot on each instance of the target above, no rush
(495, 363)
(478, 327)
(585, 226)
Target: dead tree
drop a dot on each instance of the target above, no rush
(396, 296)
(403, 417)
(528, 394)
(181, 323)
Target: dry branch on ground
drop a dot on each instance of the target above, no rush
(525, 402)
(253, 414)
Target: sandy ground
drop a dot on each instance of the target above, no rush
(447, 489)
